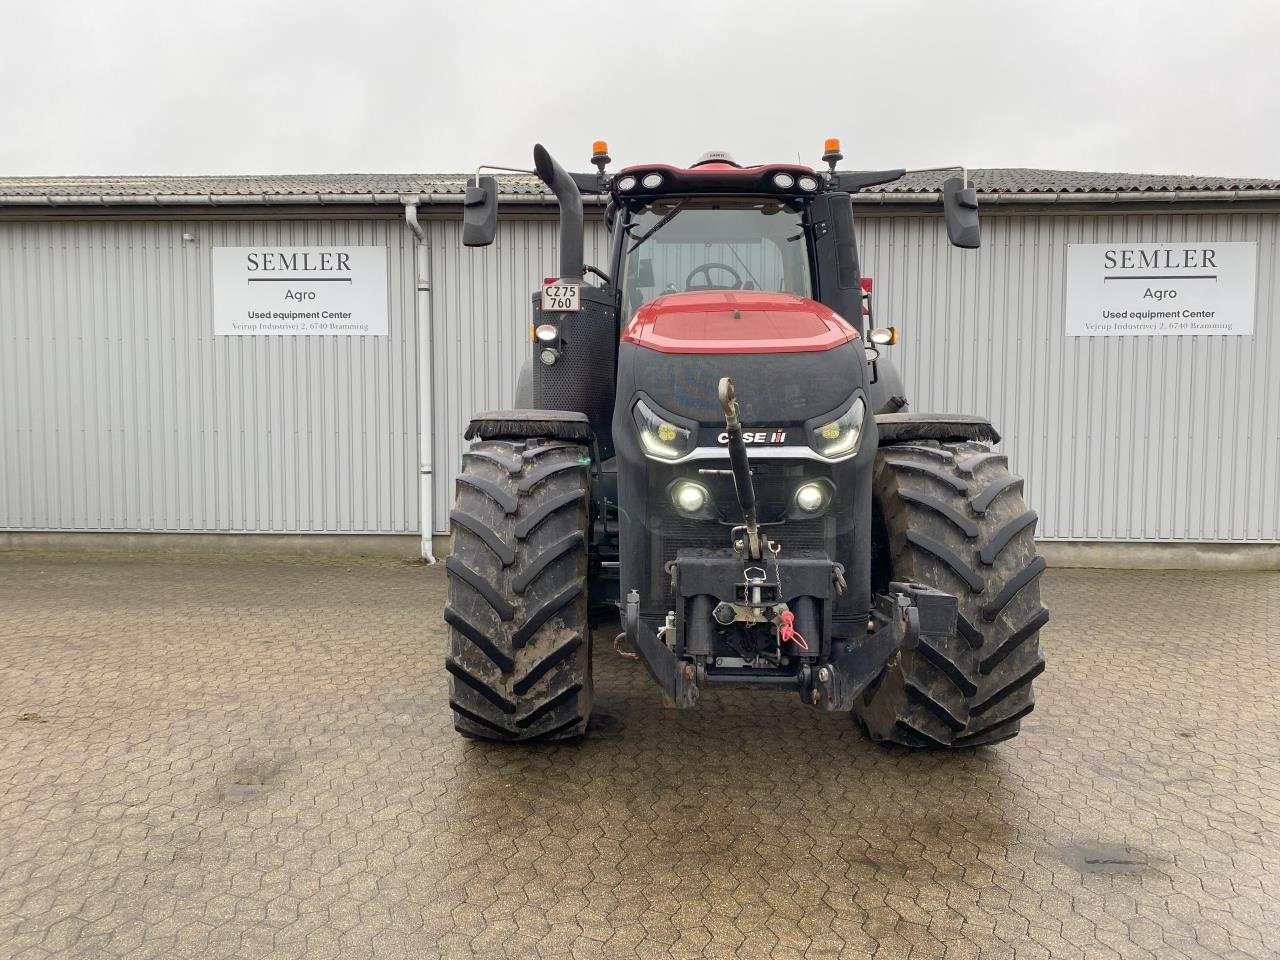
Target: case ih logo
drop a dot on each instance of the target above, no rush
(758, 436)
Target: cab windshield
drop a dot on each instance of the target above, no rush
(680, 244)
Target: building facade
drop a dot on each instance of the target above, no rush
(122, 409)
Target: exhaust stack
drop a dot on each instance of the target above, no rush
(570, 199)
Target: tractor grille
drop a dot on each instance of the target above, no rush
(679, 534)
(775, 482)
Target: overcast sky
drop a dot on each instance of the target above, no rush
(256, 86)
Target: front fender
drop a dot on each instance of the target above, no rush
(887, 394)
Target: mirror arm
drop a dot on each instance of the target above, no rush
(852, 181)
(964, 172)
(592, 183)
(490, 166)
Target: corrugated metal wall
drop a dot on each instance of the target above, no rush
(119, 409)
(1120, 438)
(481, 307)
(1132, 438)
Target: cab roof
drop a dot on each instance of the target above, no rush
(718, 177)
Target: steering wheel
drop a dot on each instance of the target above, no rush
(705, 270)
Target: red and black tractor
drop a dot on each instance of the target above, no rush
(710, 442)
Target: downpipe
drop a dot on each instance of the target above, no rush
(422, 311)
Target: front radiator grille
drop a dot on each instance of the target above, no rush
(775, 482)
(679, 534)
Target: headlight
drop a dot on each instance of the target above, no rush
(546, 332)
(689, 497)
(627, 183)
(784, 181)
(811, 497)
(839, 438)
(652, 181)
(808, 183)
(661, 439)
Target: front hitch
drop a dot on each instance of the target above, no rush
(677, 678)
(898, 621)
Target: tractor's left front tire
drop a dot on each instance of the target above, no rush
(951, 516)
(519, 659)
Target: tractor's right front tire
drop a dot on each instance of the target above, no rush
(519, 658)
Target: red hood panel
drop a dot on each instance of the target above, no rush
(737, 321)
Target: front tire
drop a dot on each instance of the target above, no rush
(519, 657)
(951, 516)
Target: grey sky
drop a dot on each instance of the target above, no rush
(254, 86)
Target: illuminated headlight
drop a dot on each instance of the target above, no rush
(652, 181)
(839, 438)
(808, 183)
(661, 439)
(689, 497)
(546, 332)
(627, 183)
(784, 181)
(811, 497)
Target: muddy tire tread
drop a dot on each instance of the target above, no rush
(519, 650)
(973, 688)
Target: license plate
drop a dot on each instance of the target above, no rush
(561, 297)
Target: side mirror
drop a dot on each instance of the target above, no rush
(480, 212)
(960, 211)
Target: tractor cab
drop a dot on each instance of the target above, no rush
(714, 226)
(700, 244)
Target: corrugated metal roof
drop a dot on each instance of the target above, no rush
(389, 188)
(1028, 180)
(240, 186)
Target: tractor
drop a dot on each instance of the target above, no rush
(711, 444)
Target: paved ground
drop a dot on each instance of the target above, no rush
(209, 759)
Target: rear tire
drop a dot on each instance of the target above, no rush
(519, 658)
(952, 517)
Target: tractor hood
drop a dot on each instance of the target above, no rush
(791, 359)
(737, 321)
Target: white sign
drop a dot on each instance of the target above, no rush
(1175, 289)
(300, 291)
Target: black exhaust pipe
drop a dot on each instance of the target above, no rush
(570, 200)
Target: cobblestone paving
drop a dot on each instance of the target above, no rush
(218, 759)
